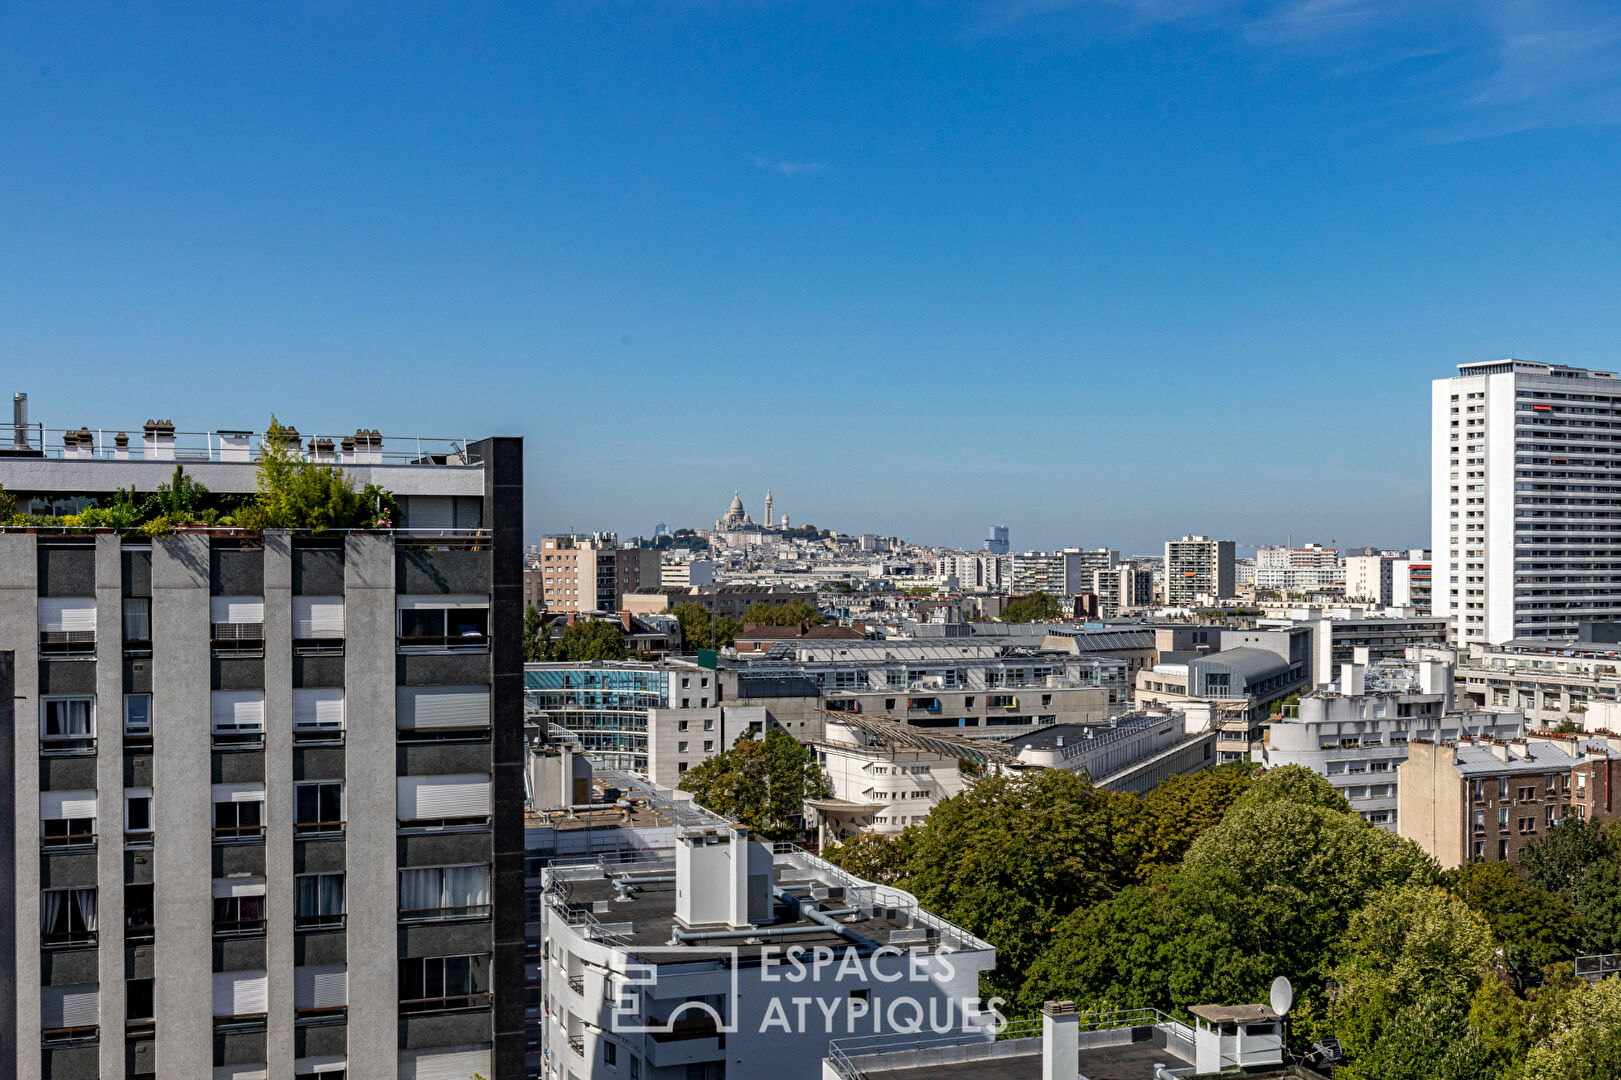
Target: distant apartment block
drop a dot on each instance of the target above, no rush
(1309, 569)
(728, 600)
(1198, 567)
(996, 541)
(682, 574)
(587, 573)
(1123, 588)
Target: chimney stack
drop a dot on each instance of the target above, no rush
(738, 894)
(19, 421)
(1060, 1041)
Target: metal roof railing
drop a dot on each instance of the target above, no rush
(163, 443)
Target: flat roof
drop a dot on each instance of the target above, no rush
(1234, 1014)
(1126, 1061)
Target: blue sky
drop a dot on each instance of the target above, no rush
(1104, 270)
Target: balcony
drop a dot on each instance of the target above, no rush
(313, 829)
(67, 644)
(239, 639)
(72, 1036)
(450, 1003)
(78, 838)
(238, 834)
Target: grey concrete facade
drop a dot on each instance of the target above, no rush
(110, 796)
(19, 623)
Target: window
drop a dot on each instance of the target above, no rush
(69, 1014)
(67, 725)
(67, 626)
(681, 725)
(320, 991)
(317, 624)
(138, 718)
(238, 719)
(318, 901)
(137, 625)
(238, 624)
(318, 808)
(241, 999)
(435, 983)
(239, 812)
(443, 801)
(440, 623)
(610, 1054)
(138, 909)
(138, 1001)
(709, 746)
(239, 907)
(1502, 850)
(442, 713)
(709, 725)
(67, 819)
(67, 917)
(681, 747)
(318, 715)
(445, 892)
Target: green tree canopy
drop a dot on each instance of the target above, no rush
(591, 639)
(701, 630)
(533, 648)
(1296, 784)
(762, 783)
(295, 493)
(874, 856)
(1535, 927)
(1585, 1043)
(1031, 607)
(794, 612)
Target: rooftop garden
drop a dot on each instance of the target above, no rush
(293, 493)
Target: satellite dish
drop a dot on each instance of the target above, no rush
(1283, 995)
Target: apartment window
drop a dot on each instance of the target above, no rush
(239, 812)
(444, 623)
(709, 725)
(1480, 821)
(318, 808)
(241, 1000)
(318, 715)
(67, 917)
(681, 725)
(137, 626)
(67, 626)
(445, 892)
(138, 1001)
(138, 912)
(67, 819)
(709, 746)
(320, 992)
(1479, 849)
(442, 713)
(1502, 850)
(238, 719)
(450, 801)
(610, 1054)
(438, 983)
(138, 719)
(67, 725)
(70, 1015)
(681, 747)
(318, 625)
(239, 907)
(317, 901)
(1502, 817)
(238, 624)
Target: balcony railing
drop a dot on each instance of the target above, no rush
(67, 644)
(239, 639)
(240, 928)
(72, 1036)
(69, 841)
(442, 914)
(318, 828)
(319, 922)
(448, 1003)
(445, 643)
(238, 834)
(136, 442)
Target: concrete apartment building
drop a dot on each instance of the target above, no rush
(1308, 569)
(683, 574)
(1371, 578)
(586, 573)
(976, 571)
(1523, 525)
(1238, 686)
(265, 789)
(1197, 567)
(1355, 732)
(1121, 589)
(1059, 573)
(1477, 800)
(1547, 680)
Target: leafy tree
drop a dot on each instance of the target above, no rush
(873, 856)
(1535, 927)
(1586, 1041)
(1011, 856)
(762, 783)
(297, 494)
(1296, 784)
(1414, 958)
(8, 504)
(1031, 607)
(701, 630)
(1561, 858)
(533, 650)
(1183, 808)
(794, 612)
(591, 639)
(1598, 906)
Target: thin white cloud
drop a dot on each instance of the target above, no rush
(1513, 64)
(790, 169)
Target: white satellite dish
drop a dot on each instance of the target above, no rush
(1283, 995)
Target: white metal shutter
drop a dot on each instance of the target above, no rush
(443, 706)
(239, 793)
(66, 805)
(229, 887)
(318, 708)
(457, 1064)
(236, 609)
(240, 1072)
(66, 614)
(69, 1006)
(239, 710)
(440, 601)
(317, 616)
(321, 986)
(241, 993)
(430, 512)
(454, 796)
(315, 1066)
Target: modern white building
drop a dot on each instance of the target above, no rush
(1525, 500)
(886, 776)
(678, 965)
(1371, 578)
(1355, 732)
(1309, 569)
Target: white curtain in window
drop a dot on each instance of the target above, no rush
(84, 902)
(317, 616)
(320, 708)
(320, 894)
(240, 993)
(66, 805)
(58, 615)
(442, 706)
(464, 795)
(456, 1063)
(467, 886)
(320, 986)
(69, 1006)
(239, 710)
(50, 910)
(421, 890)
(68, 717)
(236, 609)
